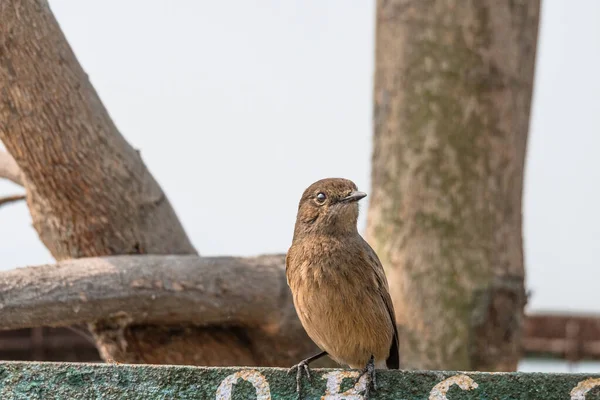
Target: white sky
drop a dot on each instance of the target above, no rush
(237, 106)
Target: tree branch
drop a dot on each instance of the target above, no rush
(162, 290)
(90, 192)
(9, 169)
(11, 199)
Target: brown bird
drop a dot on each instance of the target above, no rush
(338, 284)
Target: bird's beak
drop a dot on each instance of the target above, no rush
(354, 196)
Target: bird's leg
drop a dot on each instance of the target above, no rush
(369, 370)
(303, 366)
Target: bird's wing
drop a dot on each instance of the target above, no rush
(393, 360)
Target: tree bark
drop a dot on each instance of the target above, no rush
(89, 191)
(452, 96)
(90, 194)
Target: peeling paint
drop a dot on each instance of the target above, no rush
(440, 390)
(263, 392)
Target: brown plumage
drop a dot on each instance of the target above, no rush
(338, 284)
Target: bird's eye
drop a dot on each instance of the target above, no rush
(321, 197)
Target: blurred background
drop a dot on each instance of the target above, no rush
(225, 99)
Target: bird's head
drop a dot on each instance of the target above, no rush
(328, 206)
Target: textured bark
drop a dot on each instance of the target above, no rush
(226, 294)
(453, 86)
(89, 192)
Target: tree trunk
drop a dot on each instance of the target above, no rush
(453, 86)
(90, 194)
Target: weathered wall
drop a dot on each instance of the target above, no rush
(102, 381)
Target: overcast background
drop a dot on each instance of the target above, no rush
(237, 106)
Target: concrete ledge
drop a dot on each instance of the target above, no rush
(23, 380)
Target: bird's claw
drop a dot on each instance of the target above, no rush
(369, 371)
(301, 366)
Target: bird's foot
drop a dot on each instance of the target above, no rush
(301, 367)
(369, 371)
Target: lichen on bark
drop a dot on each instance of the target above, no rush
(453, 83)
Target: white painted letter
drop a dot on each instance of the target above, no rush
(263, 392)
(334, 383)
(440, 390)
(579, 391)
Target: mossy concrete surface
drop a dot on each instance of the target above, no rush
(25, 380)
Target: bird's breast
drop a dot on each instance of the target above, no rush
(339, 304)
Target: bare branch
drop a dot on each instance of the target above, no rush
(9, 169)
(11, 199)
(149, 289)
